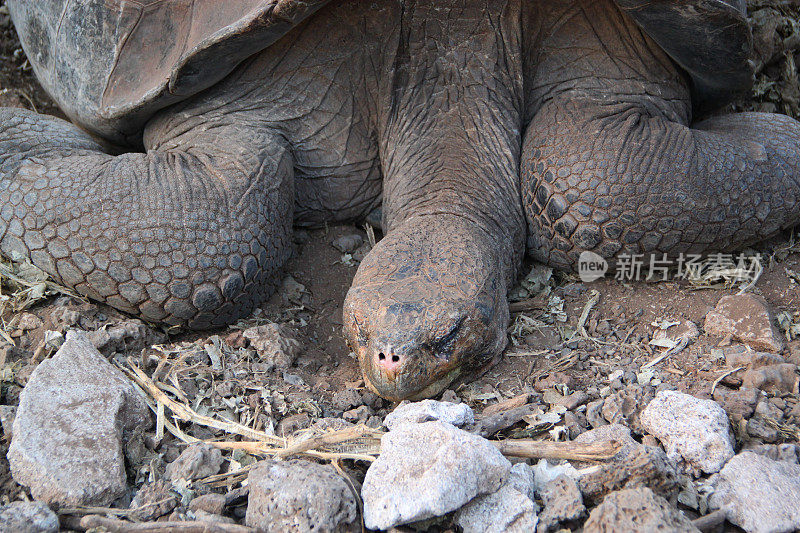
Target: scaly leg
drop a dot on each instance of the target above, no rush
(616, 178)
(192, 232)
(612, 162)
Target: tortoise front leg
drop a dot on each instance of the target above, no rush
(619, 178)
(192, 232)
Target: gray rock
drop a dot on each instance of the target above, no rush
(505, 510)
(211, 518)
(615, 432)
(522, 478)
(739, 404)
(767, 409)
(153, 500)
(74, 415)
(625, 406)
(694, 429)
(509, 509)
(637, 466)
(297, 495)
(197, 461)
(127, 336)
(773, 379)
(634, 465)
(759, 428)
(275, 344)
(760, 495)
(210, 503)
(637, 511)
(544, 473)
(748, 318)
(374, 422)
(795, 412)
(778, 452)
(426, 470)
(348, 244)
(7, 415)
(28, 517)
(563, 502)
(457, 414)
(359, 414)
(346, 399)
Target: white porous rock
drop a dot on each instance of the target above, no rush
(696, 430)
(759, 494)
(505, 510)
(427, 470)
(522, 478)
(509, 509)
(28, 517)
(457, 414)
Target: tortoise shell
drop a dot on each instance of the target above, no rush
(111, 64)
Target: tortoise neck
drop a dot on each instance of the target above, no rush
(450, 136)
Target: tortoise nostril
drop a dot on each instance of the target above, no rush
(388, 361)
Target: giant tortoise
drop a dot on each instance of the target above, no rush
(487, 129)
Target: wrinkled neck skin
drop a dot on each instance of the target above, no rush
(428, 304)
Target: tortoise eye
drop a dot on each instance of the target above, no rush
(443, 347)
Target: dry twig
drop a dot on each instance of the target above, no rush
(723, 376)
(682, 343)
(336, 437)
(537, 303)
(115, 525)
(570, 451)
(88, 510)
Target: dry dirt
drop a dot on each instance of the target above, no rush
(619, 327)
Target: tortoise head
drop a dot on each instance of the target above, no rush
(423, 312)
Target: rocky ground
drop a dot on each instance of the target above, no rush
(620, 406)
